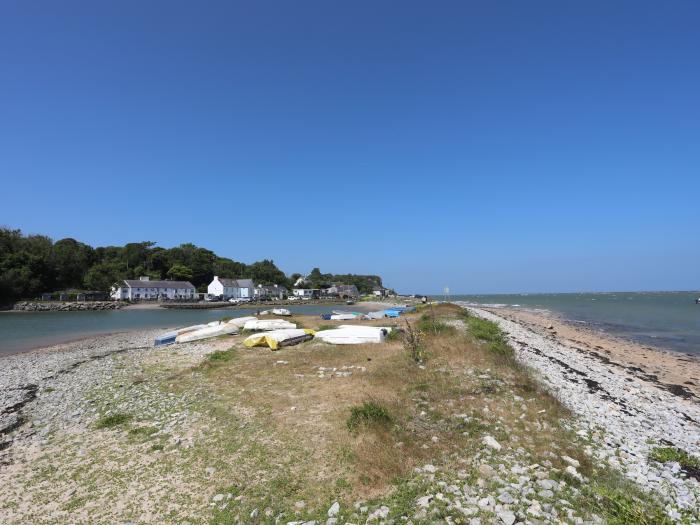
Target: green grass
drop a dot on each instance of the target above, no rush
(395, 335)
(620, 503)
(143, 431)
(222, 356)
(489, 332)
(668, 454)
(433, 326)
(326, 327)
(368, 414)
(113, 420)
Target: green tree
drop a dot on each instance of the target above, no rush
(103, 275)
(71, 259)
(265, 272)
(180, 272)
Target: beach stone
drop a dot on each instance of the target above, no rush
(333, 511)
(219, 497)
(490, 442)
(486, 470)
(507, 517)
(424, 501)
(381, 513)
(548, 484)
(506, 497)
(571, 461)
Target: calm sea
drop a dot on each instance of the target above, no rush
(21, 331)
(668, 320)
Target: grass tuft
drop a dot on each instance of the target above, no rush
(113, 420)
(222, 356)
(489, 332)
(430, 325)
(670, 454)
(368, 414)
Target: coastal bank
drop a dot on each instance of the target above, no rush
(110, 429)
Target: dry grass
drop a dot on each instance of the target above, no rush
(300, 418)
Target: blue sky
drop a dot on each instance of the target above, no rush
(485, 146)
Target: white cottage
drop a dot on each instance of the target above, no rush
(145, 289)
(231, 288)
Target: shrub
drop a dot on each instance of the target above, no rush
(413, 343)
(368, 414)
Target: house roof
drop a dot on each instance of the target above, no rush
(346, 287)
(237, 283)
(137, 283)
(271, 288)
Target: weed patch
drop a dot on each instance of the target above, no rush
(222, 356)
(113, 420)
(368, 414)
(669, 454)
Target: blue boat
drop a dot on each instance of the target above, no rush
(167, 338)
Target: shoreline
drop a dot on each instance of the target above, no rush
(678, 372)
(58, 344)
(621, 409)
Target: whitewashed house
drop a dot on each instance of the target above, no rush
(275, 291)
(145, 289)
(307, 293)
(231, 288)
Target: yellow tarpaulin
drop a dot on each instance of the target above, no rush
(278, 338)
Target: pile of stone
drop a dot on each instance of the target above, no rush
(56, 306)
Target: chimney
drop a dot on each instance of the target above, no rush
(144, 278)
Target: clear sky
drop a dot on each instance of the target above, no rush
(487, 146)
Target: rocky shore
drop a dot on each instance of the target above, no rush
(56, 306)
(52, 402)
(624, 411)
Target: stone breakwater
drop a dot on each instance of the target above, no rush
(625, 415)
(28, 306)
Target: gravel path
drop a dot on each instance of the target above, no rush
(629, 416)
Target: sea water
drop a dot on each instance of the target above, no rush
(21, 331)
(669, 320)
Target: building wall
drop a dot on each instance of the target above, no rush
(215, 288)
(151, 292)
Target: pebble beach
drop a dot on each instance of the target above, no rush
(623, 410)
(626, 409)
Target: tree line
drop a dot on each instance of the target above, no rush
(33, 264)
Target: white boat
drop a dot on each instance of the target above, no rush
(281, 311)
(353, 335)
(344, 316)
(387, 329)
(268, 324)
(239, 322)
(279, 338)
(211, 330)
(375, 315)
